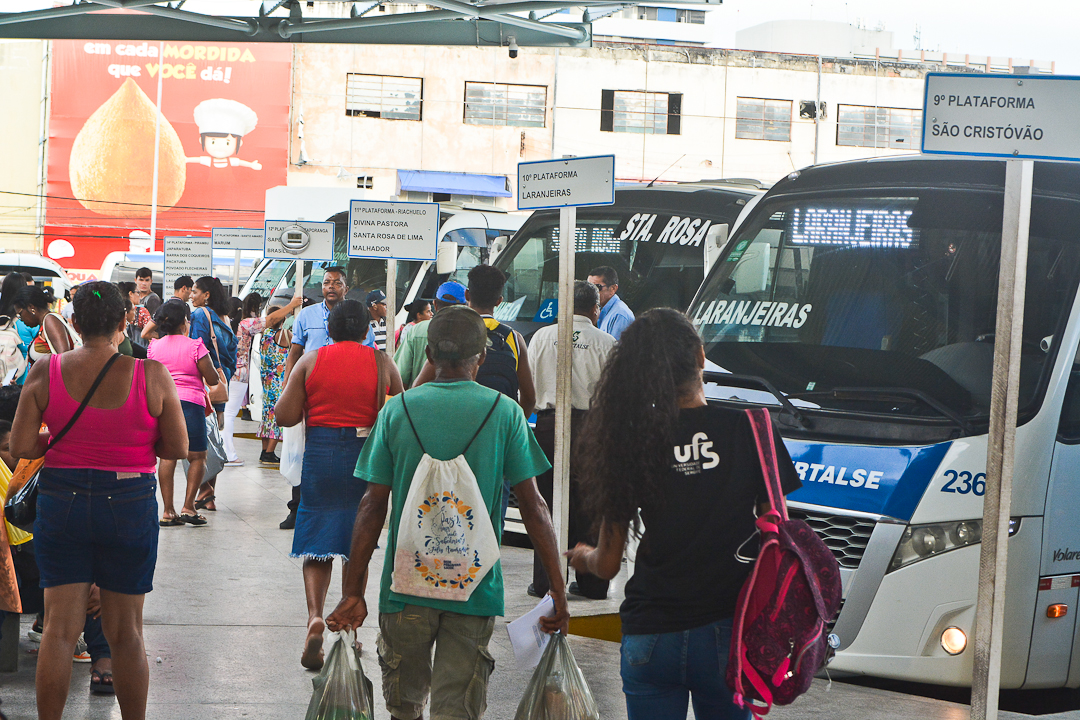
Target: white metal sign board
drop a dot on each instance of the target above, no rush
(291, 239)
(393, 230)
(571, 182)
(191, 256)
(1008, 116)
(238, 238)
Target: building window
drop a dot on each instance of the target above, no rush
(897, 128)
(697, 17)
(759, 119)
(384, 96)
(498, 104)
(641, 112)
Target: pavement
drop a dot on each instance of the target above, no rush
(225, 625)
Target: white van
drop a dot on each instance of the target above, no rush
(46, 272)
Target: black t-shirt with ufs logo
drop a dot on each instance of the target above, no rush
(686, 574)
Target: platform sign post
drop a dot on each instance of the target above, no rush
(187, 255)
(1019, 118)
(566, 184)
(393, 231)
(237, 239)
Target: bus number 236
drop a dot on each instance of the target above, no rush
(967, 483)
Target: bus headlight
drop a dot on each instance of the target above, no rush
(922, 541)
(953, 640)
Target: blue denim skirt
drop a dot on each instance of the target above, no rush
(93, 527)
(329, 494)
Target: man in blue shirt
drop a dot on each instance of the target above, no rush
(615, 315)
(309, 329)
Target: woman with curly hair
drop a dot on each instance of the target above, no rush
(652, 444)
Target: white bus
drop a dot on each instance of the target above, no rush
(858, 300)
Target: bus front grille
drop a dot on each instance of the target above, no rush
(845, 536)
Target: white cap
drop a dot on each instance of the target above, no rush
(225, 116)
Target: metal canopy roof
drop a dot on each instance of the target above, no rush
(457, 22)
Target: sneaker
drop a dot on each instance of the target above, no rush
(81, 653)
(234, 463)
(245, 414)
(290, 522)
(35, 631)
(269, 458)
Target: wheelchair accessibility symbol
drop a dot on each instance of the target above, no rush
(548, 312)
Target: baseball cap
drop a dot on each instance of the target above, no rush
(456, 333)
(375, 296)
(451, 292)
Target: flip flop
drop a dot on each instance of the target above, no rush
(101, 683)
(202, 503)
(170, 522)
(192, 519)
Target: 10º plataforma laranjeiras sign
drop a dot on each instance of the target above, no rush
(1008, 116)
(570, 182)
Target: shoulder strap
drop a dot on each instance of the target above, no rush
(213, 335)
(761, 424)
(86, 401)
(409, 418)
(494, 405)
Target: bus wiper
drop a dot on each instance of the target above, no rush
(751, 381)
(883, 393)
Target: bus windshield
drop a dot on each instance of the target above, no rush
(655, 268)
(886, 303)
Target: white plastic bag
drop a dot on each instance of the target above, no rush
(342, 691)
(446, 543)
(293, 440)
(557, 690)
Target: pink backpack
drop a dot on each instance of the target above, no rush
(778, 639)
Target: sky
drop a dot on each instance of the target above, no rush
(1030, 30)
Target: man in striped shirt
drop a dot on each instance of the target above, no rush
(376, 303)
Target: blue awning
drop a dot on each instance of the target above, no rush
(454, 183)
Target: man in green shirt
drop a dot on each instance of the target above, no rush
(445, 416)
(410, 357)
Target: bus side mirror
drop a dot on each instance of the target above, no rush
(715, 240)
(446, 259)
(497, 246)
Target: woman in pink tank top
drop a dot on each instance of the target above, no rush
(97, 510)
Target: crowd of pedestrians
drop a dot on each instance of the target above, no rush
(459, 390)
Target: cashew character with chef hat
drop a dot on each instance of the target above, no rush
(222, 125)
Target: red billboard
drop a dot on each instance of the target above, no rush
(223, 135)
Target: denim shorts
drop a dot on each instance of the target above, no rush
(195, 418)
(93, 527)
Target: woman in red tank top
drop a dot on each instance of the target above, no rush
(97, 507)
(339, 391)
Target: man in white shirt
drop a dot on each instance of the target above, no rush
(591, 349)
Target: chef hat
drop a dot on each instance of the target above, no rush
(225, 116)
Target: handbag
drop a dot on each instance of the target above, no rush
(219, 393)
(21, 507)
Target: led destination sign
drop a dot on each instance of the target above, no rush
(852, 227)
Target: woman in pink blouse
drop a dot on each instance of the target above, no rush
(188, 361)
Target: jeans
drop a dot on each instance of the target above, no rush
(662, 672)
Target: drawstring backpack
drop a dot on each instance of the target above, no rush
(445, 543)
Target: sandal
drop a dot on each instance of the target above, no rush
(170, 521)
(101, 682)
(202, 503)
(192, 519)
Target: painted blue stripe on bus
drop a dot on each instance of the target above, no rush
(888, 480)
